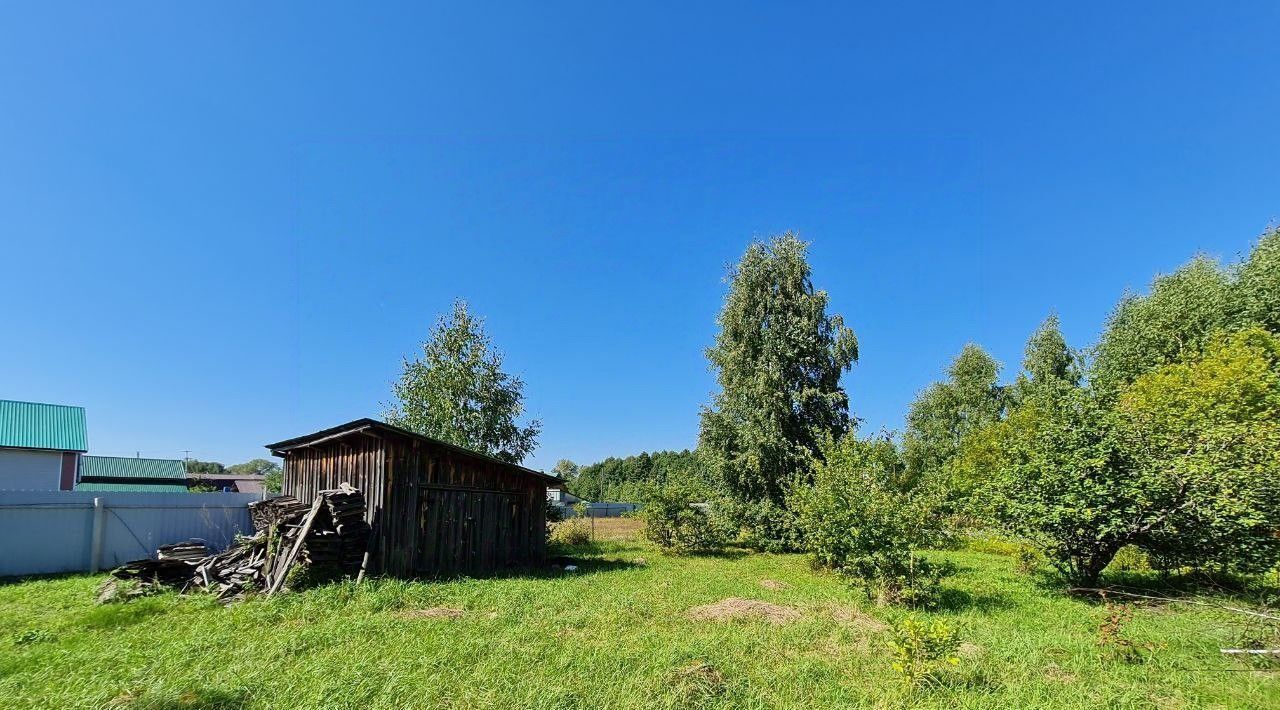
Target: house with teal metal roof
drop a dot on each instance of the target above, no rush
(134, 475)
(40, 445)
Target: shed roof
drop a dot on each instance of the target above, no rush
(34, 425)
(125, 467)
(281, 447)
(131, 487)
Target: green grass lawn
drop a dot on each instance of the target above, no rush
(615, 634)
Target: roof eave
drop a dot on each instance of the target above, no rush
(363, 425)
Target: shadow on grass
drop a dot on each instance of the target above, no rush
(200, 698)
(114, 616)
(951, 600)
(553, 568)
(52, 577)
(973, 679)
(1169, 586)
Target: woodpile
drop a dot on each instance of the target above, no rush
(330, 533)
(190, 550)
(273, 511)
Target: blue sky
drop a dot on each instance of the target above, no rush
(224, 224)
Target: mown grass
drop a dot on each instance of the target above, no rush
(614, 634)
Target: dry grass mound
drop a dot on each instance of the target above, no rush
(735, 608)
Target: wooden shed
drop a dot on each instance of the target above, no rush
(436, 509)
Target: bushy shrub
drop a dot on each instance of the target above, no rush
(861, 521)
(920, 650)
(1028, 559)
(571, 532)
(678, 520)
(760, 525)
(555, 513)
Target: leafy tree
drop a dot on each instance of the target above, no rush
(273, 477)
(778, 359)
(1064, 480)
(207, 468)
(457, 392)
(1257, 286)
(1208, 430)
(945, 413)
(256, 467)
(865, 519)
(1182, 466)
(1186, 308)
(1144, 332)
(566, 470)
(1047, 358)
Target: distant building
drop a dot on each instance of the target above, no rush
(134, 475)
(556, 493)
(40, 445)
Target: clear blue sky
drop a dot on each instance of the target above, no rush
(223, 224)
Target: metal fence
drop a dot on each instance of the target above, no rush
(600, 510)
(43, 532)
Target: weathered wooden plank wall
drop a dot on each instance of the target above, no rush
(435, 511)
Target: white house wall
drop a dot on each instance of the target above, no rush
(22, 470)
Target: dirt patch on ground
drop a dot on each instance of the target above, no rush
(970, 651)
(435, 612)
(1055, 673)
(773, 584)
(734, 608)
(856, 618)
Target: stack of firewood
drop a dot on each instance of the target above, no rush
(273, 511)
(331, 532)
(191, 550)
(347, 512)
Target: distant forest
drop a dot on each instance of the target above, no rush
(634, 478)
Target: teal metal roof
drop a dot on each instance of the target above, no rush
(132, 487)
(31, 425)
(124, 467)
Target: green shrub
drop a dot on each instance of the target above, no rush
(555, 513)
(860, 521)
(678, 522)
(761, 525)
(1028, 559)
(571, 533)
(921, 650)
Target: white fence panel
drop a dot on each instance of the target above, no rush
(43, 532)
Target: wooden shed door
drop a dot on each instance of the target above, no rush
(469, 531)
